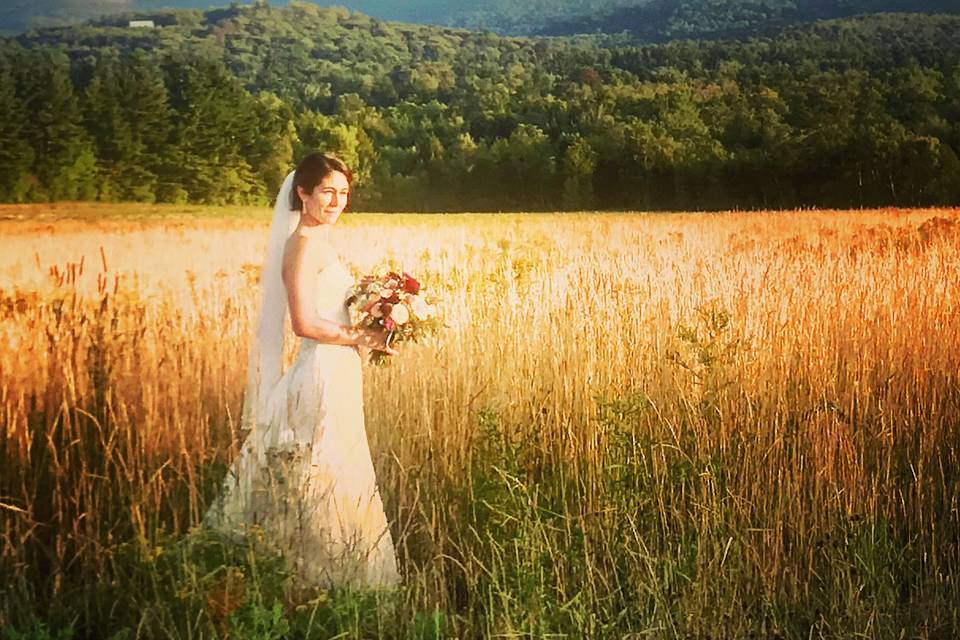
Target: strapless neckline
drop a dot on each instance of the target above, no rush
(335, 261)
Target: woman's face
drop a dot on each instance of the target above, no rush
(328, 199)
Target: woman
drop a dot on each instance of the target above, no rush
(304, 478)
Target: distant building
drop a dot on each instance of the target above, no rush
(145, 24)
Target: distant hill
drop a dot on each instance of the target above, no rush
(20, 15)
(504, 16)
(664, 20)
(643, 20)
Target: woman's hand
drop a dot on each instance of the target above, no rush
(376, 339)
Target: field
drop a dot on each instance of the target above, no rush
(736, 425)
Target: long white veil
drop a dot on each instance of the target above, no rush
(266, 351)
(262, 419)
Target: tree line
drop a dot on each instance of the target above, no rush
(214, 107)
(664, 20)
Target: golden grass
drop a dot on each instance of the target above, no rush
(730, 424)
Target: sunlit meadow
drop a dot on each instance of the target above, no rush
(735, 425)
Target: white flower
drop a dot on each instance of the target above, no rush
(420, 308)
(400, 314)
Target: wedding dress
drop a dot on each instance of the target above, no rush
(304, 481)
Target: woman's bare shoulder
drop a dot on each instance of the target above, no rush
(307, 251)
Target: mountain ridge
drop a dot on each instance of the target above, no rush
(645, 20)
(664, 20)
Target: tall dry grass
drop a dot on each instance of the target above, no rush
(677, 425)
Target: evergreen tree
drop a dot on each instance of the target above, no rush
(64, 162)
(213, 116)
(127, 112)
(16, 154)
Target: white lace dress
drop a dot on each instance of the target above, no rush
(305, 484)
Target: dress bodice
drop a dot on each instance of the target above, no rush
(333, 283)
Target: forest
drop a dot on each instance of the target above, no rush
(214, 106)
(664, 20)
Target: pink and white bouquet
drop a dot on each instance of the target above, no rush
(394, 302)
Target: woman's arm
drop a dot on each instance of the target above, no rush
(299, 280)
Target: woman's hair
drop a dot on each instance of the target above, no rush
(311, 170)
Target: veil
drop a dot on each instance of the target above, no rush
(262, 420)
(261, 400)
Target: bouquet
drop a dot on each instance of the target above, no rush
(395, 303)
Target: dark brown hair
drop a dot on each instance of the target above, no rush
(311, 170)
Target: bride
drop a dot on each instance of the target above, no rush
(304, 480)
